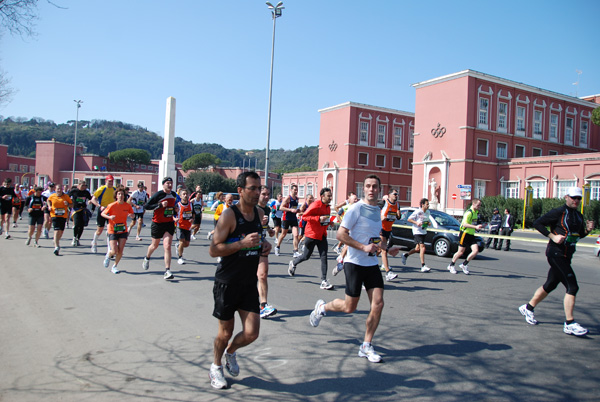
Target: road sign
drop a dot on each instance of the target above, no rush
(453, 196)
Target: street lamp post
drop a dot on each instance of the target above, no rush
(78, 102)
(275, 12)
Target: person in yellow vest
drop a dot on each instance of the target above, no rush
(103, 196)
(467, 237)
(59, 204)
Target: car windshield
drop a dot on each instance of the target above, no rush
(444, 219)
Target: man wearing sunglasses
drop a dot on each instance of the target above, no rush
(566, 228)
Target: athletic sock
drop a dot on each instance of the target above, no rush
(465, 263)
(529, 307)
(452, 263)
(366, 344)
(569, 322)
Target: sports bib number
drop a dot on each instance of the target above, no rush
(59, 211)
(119, 228)
(391, 216)
(187, 215)
(374, 240)
(169, 212)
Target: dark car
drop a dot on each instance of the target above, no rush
(440, 242)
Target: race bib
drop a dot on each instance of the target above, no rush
(120, 228)
(36, 206)
(169, 211)
(326, 223)
(80, 200)
(197, 208)
(425, 224)
(140, 202)
(572, 238)
(391, 216)
(187, 215)
(59, 211)
(374, 240)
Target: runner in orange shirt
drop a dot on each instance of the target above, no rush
(116, 214)
(59, 204)
(184, 220)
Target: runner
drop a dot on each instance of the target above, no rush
(184, 219)
(59, 204)
(103, 196)
(420, 219)
(24, 195)
(340, 248)
(389, 213)
(47, 219)
(163, 226)
(80, 197)
(467, 237)
(198, 206)
(116, 214)
(301, 224)
(222, 207)
(317, 219)
(289, 206)
(137, 200)
(266, 310)
(237, 240)
(360, 232)
(276, 214)
(36, 205)
(219, 200)
(566, 228)
(6, 195)
(16, 205)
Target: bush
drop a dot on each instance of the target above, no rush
(210, 182)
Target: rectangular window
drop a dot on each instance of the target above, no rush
(539, 188)
(479, 188)
(502, 114)
(285, 191)
(309, 189)
(583, 133)
(143, 167)
(483, 112)
(363, 138)
(31, 169)
(381, 135)
(65, 183)
(408, 194)
(380, 160)
(396, 162)
(363, 158)
(520, 120)
(563, 186)
(510, 189)
(24, 168)
(519, 151)
(553, 136)
(569, 131)
(595, 189)
(537, 122)
(397, 137)
(501, 150)
(410, 164)
(536, 152)
(75, 182)
(129, 183)
(552, 153)
(482, 147)
(360, 190)
(411, 144)
(301, 191)
(13, 167)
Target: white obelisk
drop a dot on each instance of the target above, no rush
(167, 163)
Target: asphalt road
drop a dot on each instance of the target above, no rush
(72, 331)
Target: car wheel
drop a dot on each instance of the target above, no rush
(441, 247)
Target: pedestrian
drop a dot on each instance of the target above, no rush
(290, 208)
(467, 239)
(36, 205)
(80, 196)
(420, 219)
(266, 310)
(316, 219)
(567, 226)
(164, 205)
(360, 231)
(137, 199)
(389, 214)
(237, 239)
(494, 228)
(59, 204)
(103, 196)
(506, 228)
(116, 213)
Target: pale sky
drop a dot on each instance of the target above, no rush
(124, 58)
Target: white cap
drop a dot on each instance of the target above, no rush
(574, 192)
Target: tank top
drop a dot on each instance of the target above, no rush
(240, 267)
(291, 216)
(186, 214)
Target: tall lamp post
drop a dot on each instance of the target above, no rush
(275, 12)
(78, 102)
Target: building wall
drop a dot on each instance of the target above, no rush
(20, 169)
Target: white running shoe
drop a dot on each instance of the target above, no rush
(404, 257)
(338, 268)
(219, 259)
(180, 261)
(28, 242)
(74, 242)
(464, 268)
(217, 378)
(425, 268)
(316, 314)
(296, 254)
(114, 269)
(168, 275)
(336, 249)
(325, 285)
(146, 264)
(451, 269)
(208, 237)
(529, 316)
(94, 248)
(277, 251)
(106, 260)
(193, 237)
(56, 250)
(231, 364)
(291, 268)
(390, 276)
(574, 329)
(369, 353)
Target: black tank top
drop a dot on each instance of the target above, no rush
(291, 216)
(240, 268)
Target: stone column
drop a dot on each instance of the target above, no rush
(167, 163)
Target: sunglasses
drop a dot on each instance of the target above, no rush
(575, 198)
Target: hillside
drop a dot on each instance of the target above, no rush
(102, 137)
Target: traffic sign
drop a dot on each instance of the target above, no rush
(453, 196)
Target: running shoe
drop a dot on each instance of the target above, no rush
(425, 268)
(114, 269)
(94, 248)
(451, 269)
(14, 225)
(209, 236)
(138, 238)
(146, 264)
(74, 242)
(390, 276)
(325, 285)
(28, 242)
(106, 260)
(77, 243)
(529, 316)
(464, 268)
(574, 329)
(267, 311)
(56, 251)
(36, 244)
(369, 353)
(296, 254)
(291, 268)
(336, 249)
(404, 257)
(219, 260)
(338, 268)
(193, 237)
(317, 313)
(168, 275)
(217, 378)
(7, 236)
(231, 364)
(382, 268)
(180, 261)
(46, 234)
(277, 251)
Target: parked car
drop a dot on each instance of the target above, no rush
(597, 248)
(443, 244)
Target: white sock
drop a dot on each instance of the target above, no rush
(95, 239)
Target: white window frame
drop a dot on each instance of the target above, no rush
(75, 181)
(399, 165)
(377, 157)
(363, 129)
(129, 183)
(503, 117)
(594, 189)
(539, 188)
(583, 133)
(410, 162)
(484, 112)
(554, 124)
(521, 121)
(487, 147)
(408, 193)
(397, 144)
(358, 159)
(562, 186)
(24, 168)
(479, 188)
(538, 127)
(13, 167)
(524, 151)
(552, 153)
(309, 189)
(498, 155)
(510, 189)
(360, 190)
(301, 188)
(569, 128)
(65, 182)
(536, 149)
(381, 133)
(285, 190)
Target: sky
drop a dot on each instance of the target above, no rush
(124, 58)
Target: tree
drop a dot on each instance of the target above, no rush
(596, 116)
(18, 16)
(200, 161)
(6, 92)
(210, 182)
(130, 157)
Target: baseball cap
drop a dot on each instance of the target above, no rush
(51, 184)
(574, 192)
(166, 179)
(110, 177)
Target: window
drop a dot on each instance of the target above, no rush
(380, 160)
(595, 189)
(408, 193)
(519, 151)
(537, 122)
(65, 182)
(502, 114)
(396, 162)
(479, 188)
(483, 112)
(411, 144)
(364, 133)
(13, 167)
(143, 167)
(381, 135)
(410, 164)
(129, 183)
(583, 132)
(137, 165)
(359, 190)
(31, 169)
(536, 152)
(24, 168)
(510, 189)
(363, 158)
(520, 120)
(553, 127)
(75, 182)
(103, 161)
(301, 191)
(539, 188)
(562, 186)
(397, 138)
(569, 131)
(309, 189)
(501, 150)
(482, 147)
(285, 191)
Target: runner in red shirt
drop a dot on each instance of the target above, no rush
(116, 214)
(184, 220)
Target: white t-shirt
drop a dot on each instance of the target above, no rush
(364, 223)
(138, 198)
(425, 217)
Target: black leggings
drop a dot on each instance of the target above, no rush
(78, 224)
(309, 246)
(561, 272)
